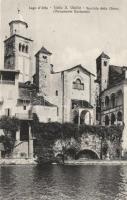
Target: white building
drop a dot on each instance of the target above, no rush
(72, 90)
(112, 95)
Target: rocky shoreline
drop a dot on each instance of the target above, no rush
(16, 161)
(96, 162)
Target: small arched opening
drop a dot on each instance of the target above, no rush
(87, 154)
(85, 117)
(113, 119)
(119, 117)
(106, 120)
(106, 102)
(113, 100)
(119, 98)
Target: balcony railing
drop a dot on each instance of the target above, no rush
(78, 86)
(24, 116)
(8, 82)
(104, 108)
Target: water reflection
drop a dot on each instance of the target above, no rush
(63, 182)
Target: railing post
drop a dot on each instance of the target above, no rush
(30, 143)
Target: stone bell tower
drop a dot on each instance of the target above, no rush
(102, 65)
(43, 71)
(18, 49)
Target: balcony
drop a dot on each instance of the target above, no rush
(24, 116)
(7, 82)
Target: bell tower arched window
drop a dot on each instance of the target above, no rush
(23, 48)
(26, 48)
(20, 46)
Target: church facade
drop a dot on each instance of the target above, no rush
(71, 90)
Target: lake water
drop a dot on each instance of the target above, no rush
(63, 182)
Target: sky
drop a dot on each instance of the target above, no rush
(72, 38)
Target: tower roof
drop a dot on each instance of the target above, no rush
(19, 18)
(103, 55)
(43, 50)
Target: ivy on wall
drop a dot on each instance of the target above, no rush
(55, 130)
(9, 126)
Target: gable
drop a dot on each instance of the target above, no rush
(80, 68)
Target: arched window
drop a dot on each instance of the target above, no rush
(105, 63)
(20, 46)
(26, 48)
(23, 48)
(113, 101)
(119, 98)
(113, 119)
(106, 120)
(78, 85)
(119, 116)
(107, 102)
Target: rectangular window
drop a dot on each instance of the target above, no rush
(56, 92)
(7, 112)
(24, 107)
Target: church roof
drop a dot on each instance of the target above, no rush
(40, 100)
(103, 55)
(80, 66)
(43, 50)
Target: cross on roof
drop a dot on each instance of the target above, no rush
(18, 10)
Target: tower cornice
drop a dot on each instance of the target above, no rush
(16, 35)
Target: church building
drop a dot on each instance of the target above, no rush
(65, 96)
(71, 90)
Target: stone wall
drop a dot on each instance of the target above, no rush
(49, 150)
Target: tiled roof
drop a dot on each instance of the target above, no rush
(43, 50)
(116, 75)
(81, 103)
(69, 69)
(27, 85)
(26, 91)
(103, 55)
(40, 100)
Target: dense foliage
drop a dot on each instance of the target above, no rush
(57, 130)
(9, 123)
(8, 144)
(9, 126)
